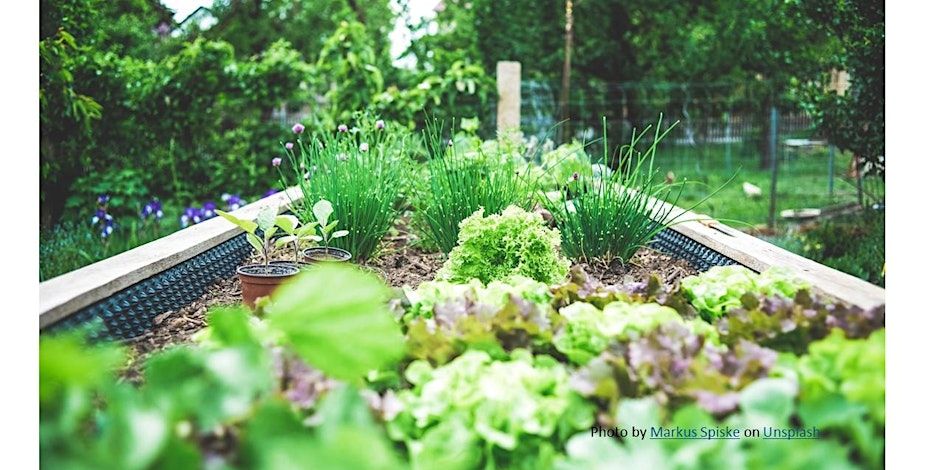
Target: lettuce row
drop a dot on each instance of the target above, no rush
(500, 246)
(721, 288)
(477, 412)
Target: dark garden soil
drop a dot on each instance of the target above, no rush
(646, 261)
(401, 264)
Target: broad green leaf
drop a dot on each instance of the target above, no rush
(285, 240)
(307, 229)
(134, 433)
(65, 362)
(769, 399)
(230, 327)
(246, 225)
(266, 217)
(270, 232)
(322, 210)
(210, 386)
(340, 234)
(335, 317)
(255, 242)
(329, 228)
(287, 223)
(348, 437)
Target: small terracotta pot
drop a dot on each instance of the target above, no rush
(259, 280)
(325, 253)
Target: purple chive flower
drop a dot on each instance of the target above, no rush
(380, 124)
(289, 145)
(342, 128)
(298, 128)
(276, 161)
(364, 147)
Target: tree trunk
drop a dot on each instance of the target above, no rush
(566, 71)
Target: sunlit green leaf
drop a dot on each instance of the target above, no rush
(335, 317)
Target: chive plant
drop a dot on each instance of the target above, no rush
(359, 170)
(459, 185)
(609, 215)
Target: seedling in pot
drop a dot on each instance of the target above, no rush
(260, 280)
(264, 221)
(322, 211)
(296, 234)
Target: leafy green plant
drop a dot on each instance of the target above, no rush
(499, 246)
(588, 330)
(265, 221)
(323, 210)
(296, 234)
(612, 214)
(195, 397)
(360, 169)
(462, 180)
(721, 288)
(479, 413)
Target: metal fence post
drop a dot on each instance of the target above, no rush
(508, 85)
(773, 167)
(832, 163)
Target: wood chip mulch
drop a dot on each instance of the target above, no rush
(646, 261)
(401, 264)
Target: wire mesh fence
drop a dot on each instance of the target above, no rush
(723, 136)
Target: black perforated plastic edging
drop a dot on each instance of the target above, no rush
(702, 257)
(130, 312)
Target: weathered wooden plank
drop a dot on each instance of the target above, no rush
(760, 255)
(70, 292)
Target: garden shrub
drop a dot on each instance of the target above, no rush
(499, 246)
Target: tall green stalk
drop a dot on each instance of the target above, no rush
(459, 185)
(363, 182)
(611, 215)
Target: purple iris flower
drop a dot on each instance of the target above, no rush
(194, 215)
(270, 192)
(104, 222)
(154, 209)
(298, 128)
(233, 201)
(103, 199)
(208, 210)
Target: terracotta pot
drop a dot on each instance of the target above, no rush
(326, 253)
(259, 280)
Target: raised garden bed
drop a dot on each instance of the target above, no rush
(503, 356)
